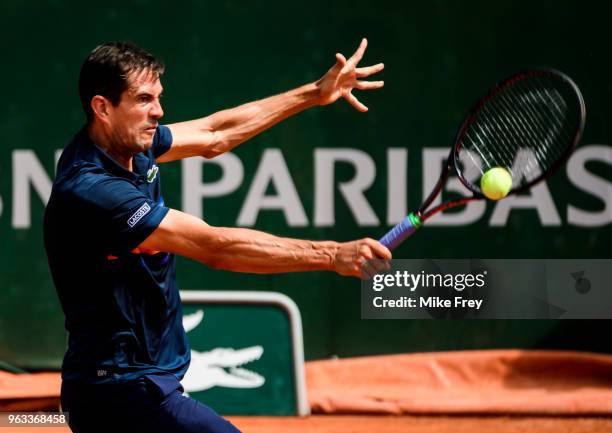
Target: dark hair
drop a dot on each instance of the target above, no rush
(107, 69)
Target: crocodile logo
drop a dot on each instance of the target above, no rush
(152, 173)
(221, 366)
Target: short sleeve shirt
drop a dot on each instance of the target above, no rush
(122, 307)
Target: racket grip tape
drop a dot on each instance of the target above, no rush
(401, 231)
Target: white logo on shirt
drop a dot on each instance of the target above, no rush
(137, 216)
(152, 173)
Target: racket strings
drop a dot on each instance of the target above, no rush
(554, 100)
(519, 129)
(498, 129)
(526, 126)
(528, 130)
(503, 123)
(547, 123)
(565, 128)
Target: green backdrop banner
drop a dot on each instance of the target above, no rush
(329, 173)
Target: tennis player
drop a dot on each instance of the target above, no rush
(111, 241)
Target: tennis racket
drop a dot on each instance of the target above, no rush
(528, 124)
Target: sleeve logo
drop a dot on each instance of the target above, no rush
(137, 216)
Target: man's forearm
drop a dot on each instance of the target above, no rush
(220, 132)
(245, 250)
(233, 126)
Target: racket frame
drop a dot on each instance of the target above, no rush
(494, 91)
(413, 221)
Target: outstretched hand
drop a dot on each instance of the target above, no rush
(345, 76)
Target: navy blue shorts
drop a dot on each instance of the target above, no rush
(152, 404)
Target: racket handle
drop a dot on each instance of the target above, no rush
(400, 232)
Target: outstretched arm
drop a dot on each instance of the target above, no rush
(222, 131)
(245, 250)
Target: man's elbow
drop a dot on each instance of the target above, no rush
(211, 153)
(213, 263)
(213, 254)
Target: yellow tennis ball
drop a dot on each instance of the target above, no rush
(496, 183)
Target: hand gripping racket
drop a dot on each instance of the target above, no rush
(528, 124)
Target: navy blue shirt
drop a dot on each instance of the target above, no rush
(123, 310)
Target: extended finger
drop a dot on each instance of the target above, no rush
(380, 265)
(379, 249)
(367, 85)
(369, 70)
(355, 102)
(366, 253)
(355, 58)
(367, 270)
(340, 59)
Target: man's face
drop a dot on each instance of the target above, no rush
(134, 120)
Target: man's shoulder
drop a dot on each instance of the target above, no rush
(89, 182)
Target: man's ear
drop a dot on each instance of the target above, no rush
(101, 107)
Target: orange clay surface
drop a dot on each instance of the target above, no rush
(401, 424)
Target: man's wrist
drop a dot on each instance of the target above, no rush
(311, 94)
(327, 252)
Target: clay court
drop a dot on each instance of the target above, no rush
(401, 424)
(424, 424)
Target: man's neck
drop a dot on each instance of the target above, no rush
(105, 142)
